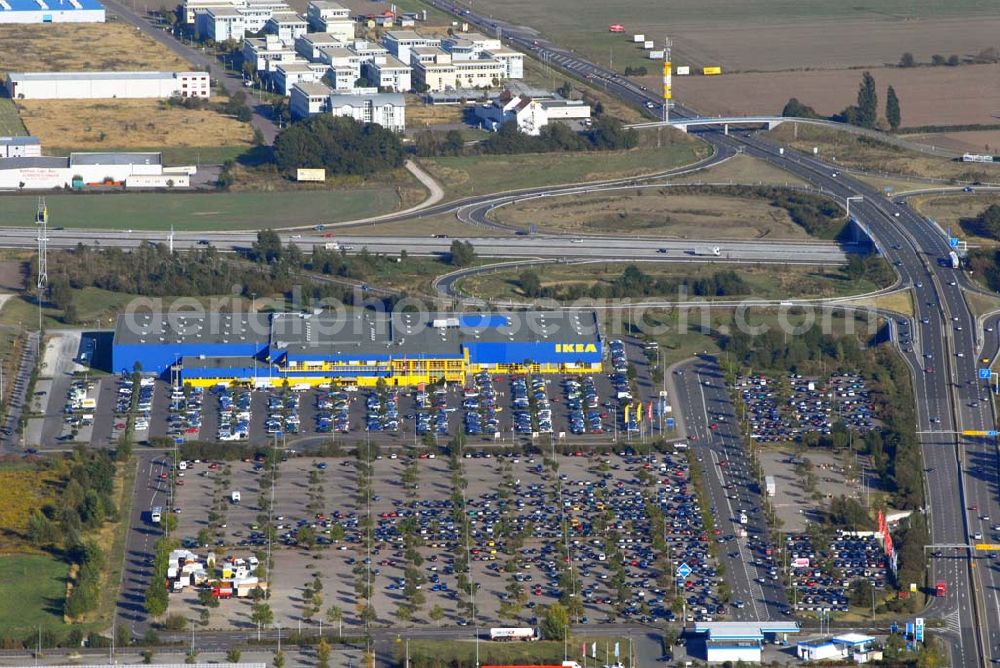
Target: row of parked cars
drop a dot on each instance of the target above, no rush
(282, 413)
(234, 414)
(184, 418)
(532, 410)
(333, 412)
(382, 412)
(821, 579)
(582, 401)
(480, 404)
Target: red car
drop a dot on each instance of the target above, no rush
(163, 476)
(713, 426)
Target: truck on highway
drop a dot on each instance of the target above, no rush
(953, 260)
(769, 485)
(513, 633)
(707, 250)
(331, 245)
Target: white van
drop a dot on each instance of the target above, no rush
(234, 496)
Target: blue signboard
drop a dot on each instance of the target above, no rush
(984, 374)
(918, 634)
(993, 434)
(909, 630)
(952, 242)
(683, 570)
(670, 423)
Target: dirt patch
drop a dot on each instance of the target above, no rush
(12, 275)
(71, 47)
(977, 141)
(124, 124)
(656, 212)
(927, 95)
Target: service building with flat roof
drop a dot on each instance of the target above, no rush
(99, 85)
(355, 347)
(51, 11)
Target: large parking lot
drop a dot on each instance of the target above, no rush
(517, 508)
(789, 409)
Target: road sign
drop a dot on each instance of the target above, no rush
(683, 570)
(670, 423)
(984, 374)
(952, 242)
(988, 547)
(919, 630)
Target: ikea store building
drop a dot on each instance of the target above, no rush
(361, 347)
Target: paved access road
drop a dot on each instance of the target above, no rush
(702, 398)
(150, 491)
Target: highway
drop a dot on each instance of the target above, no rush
(535, 246)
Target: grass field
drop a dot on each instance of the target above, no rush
(24, 488)
(32, 589)
(478, 175)
(463, 652)
(659, 212)
(763, 35)
(10, 122)
(855, 152)
(950, 210)
(200, 212)
(767, 282)
(129, 124)
(78, 47)
(93, 305)
(742, 170)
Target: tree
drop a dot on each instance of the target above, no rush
(954, 60)
(279, 659)
(892, 109)
(335, 615)
(986, 224)
(267, 248)
(867, 101)
(233, 655)
(339, 145)
(907, 60)
(70, 314)
(453, 143)
(555, 622)
(565, 90)
(531, 284)
(937, 60)
(795, 109)
(323, 653)
(462, 253)
(860, 593)
(261, 614)
(437, 613)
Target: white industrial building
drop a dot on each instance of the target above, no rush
(331, 18)
(135, 170)
(286, 75)
(719, 642)
(223, 20)
(390, 74)
(386, 109)
(286, 26)
(529, 114)
(856, 647)
(20, 147)
(51, 11)
(266, 53)
(92, 85)
(220, 24)
(399, 42)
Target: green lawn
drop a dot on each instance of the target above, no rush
(764, 281)
(32, 590)
(200, 211)
(10, 121)
(484, 174)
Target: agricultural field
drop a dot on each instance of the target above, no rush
(92, 125)
(77, 47)
(950, 210)
(927, 95)
(855, 152)
(767, 282)
(479, 175)
(10, 122)
(764, 35)
(202, 212)
(657, 212)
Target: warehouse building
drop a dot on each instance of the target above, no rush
(142, 170)
(51, 11)
(95, 85)
(734, 642)
(361, 347)
(20, 147)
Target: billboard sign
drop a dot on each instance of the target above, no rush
(683, 70)
(919, 630)
(310, 175)
(708, 71)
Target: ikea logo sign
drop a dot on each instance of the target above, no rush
(576, 348)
